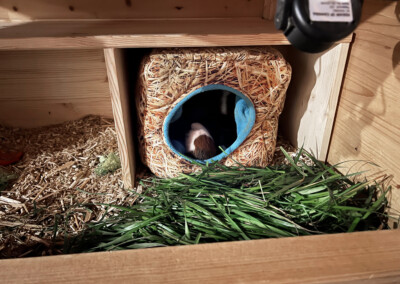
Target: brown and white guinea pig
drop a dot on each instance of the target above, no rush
(199, 142)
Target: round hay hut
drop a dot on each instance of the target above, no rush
(236, 93)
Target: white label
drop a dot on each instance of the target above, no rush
(330, 10)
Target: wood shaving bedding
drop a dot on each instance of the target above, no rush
(55, 180)
(57, 185)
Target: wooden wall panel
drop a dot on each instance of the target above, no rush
(47, 87)
(269, 9)
(367, 126)
(128, 9)
(312, 96)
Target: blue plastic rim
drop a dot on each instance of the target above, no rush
(245, 116)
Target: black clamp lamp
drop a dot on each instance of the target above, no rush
(314, 25)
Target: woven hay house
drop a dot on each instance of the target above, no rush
(168, 76)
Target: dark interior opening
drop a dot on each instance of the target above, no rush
(215, 111)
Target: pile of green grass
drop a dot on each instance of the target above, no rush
(239, 203)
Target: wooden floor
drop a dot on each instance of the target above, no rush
(366, 257)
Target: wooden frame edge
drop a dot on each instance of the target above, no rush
(120, 105)
(334, 99)
(352, 258)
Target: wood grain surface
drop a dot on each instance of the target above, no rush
(312, 97)
(122, 114)
(367, 257)
(47, 87)
(269, 9)
(64, 34)
(367, 126)
(12, 10)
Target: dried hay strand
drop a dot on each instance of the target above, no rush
(57, 190)
(167, 76)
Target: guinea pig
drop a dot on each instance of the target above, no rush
(199, 142)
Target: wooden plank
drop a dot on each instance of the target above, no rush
(269, 10)
(127, 9)
(312, 97)
(334, 87)
(47, 87)
(140, 33)
(120, 106)
(367, 257)
(367, 123)
(82, 28)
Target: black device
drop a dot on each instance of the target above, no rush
(314, 25)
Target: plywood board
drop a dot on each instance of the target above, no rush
(140, 33)
(122, 114)
(312, 97)
(367, 257)
(128, 9)
(367, 125)
(48, 87)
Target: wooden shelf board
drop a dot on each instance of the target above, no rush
(57, 34)
(367, 257)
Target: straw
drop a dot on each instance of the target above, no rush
(169, 75)
(240, 203)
